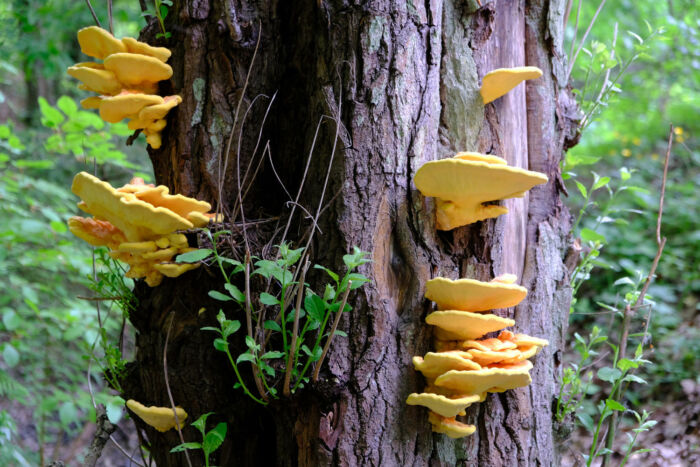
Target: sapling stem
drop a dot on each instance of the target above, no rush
(295, 329)
(249, 325)
(94, 16)
(333, 328)
(631, 310)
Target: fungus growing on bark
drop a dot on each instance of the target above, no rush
(130, 72)
(99, 43)
(96, 78)
(493, 379)
(138, 47)
(499, 82)
(461, 325)
(473, 295)
(138, 222)
(160, 418)
(137, 70)
(126, 105)
(443, 405)
(463, 184)
(433, 364)
(450, 426)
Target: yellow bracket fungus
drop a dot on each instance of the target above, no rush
(450, 426)
(464, 183)
(443, 405)
(486, 379)
(473, 295)
(499, 82)
(138, 222)
(127, 81)
(160, 418)
(433, 364)
(461, 325)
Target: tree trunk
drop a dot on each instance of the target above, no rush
(403, 78)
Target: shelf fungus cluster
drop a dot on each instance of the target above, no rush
(466, 366)
(465, 183)
(126, 81)
(139, 223)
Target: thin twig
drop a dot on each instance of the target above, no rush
(167, 386)
(631, 310)
(295, 329)
(109, 15)
(573, 40)
(583, 39)
(607, 72)
(330, 336)
(249, 318)
(94, 15)
(99, 299)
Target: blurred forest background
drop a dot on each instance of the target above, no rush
(636, 72)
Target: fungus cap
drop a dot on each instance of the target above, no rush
(491, 344)
(486, 379)
(99, 43)
(126, 105)
(95, 232)
(489, 357)
(137, 47)
(442, 405)
(450, 426)
(462, 186)
(95, 79)
(160, 418)
(433, 364)
(499, 82)
(478, 157)
(460, 325)
(473, 295)
(92, 102)
(174, 270)
(156, 112)
(134, 69)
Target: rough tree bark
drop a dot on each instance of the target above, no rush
(403, 78)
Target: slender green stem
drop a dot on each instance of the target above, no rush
(339, 313)
(240, 379)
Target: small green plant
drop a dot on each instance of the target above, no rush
(161, 12)
(211, 440)
(577, 379)
(286, 323)
(110, 284)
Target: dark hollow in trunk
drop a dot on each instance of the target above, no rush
(403, 77)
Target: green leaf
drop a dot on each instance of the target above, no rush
(272, 326)
(51, 118)
(230, 327)
(245, 357)
(250, 343)
(186, 446)
(333, 275)
(194, 256)
(581, 189)
(214, 438)
(235, 293)
(268, 299)
(272, 354)
(626, 364)
(67, 105)
(609, 374)
(59, 227)
(634, 379)
(586, 421)
(67, 413)
(589, 235)
(340, 333)
(600, 183)
(219, 296)
(10, 355)
(11, 319)
(315, 307)
(201, 422)
(220, 344)
(614, 405)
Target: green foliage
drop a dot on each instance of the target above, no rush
(160, 12)
(276, 346)
(211, 440)
(47, 334)
(627, 120)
